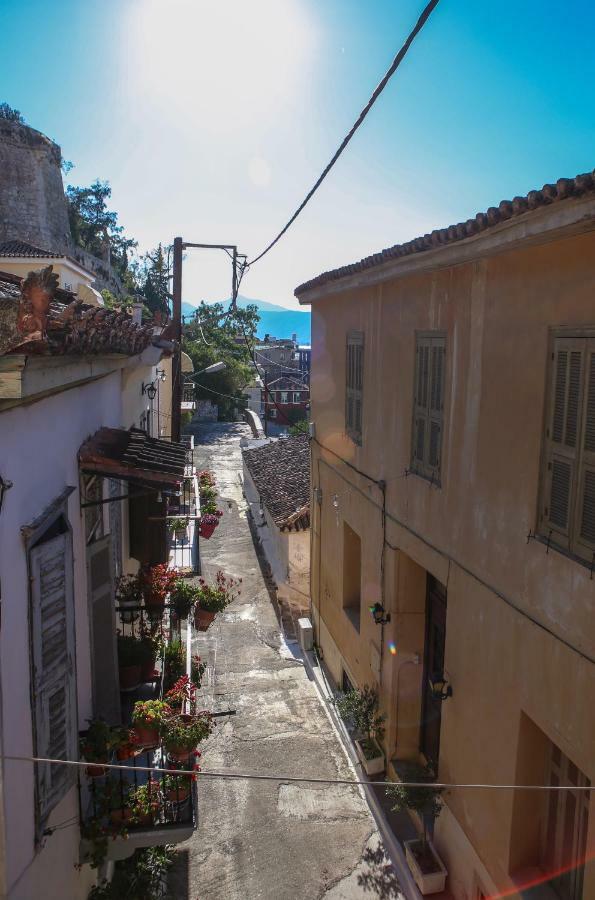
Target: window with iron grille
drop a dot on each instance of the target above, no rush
(428, 404)
(354, 385)
(567, 504)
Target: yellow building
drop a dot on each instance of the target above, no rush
(453, 476)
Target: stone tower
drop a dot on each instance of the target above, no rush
(32, 202)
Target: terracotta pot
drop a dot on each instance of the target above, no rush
(206, 531)
(179, 795)
(120, 816)
(154, 603)
(126, 752)
(202, 619)
(147, 670)
(177, 753)
(147, 736)
(95, 771)
(129, 677)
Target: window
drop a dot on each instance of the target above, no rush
(352, 575)
(273, 413)
(93, 493)
(284, 397)
(297, 397)
(428, 405)
(52, 654)
(567, 507)
(354, 385)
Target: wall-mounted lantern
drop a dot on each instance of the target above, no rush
(439, 686)
(4, 486)
(149, 389)
(380, 616)
(161, 374)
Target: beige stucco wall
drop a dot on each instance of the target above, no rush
(470, 533)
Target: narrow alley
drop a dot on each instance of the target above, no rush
(271, 840)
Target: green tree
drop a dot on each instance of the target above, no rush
(300, 427)
(157, 272)
(94, 227)
(13, 115)
(217, 335)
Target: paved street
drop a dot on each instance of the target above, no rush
(273, 840)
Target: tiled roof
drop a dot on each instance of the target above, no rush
(68, 327)
(133, 456)
(281, 474)
(284, 383)
(507, 209)
(22, 248)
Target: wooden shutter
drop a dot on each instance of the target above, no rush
(428, 405)
(52, 620)
(584, 543)
(563, 437)
(102, 616)
(354, 385)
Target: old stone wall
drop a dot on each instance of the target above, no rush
(32, 202)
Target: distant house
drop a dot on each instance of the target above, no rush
(20, 257)
(286, 400)
(277, 488)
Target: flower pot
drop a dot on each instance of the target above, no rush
(147, 736)
(371, 756)
(179, 795)
(129, 677)
(180, 535)
(428, 870)
(147, 671)
(202, 619)
(95, 771)
(206, 530)
(127, 751)
(120, 816)
(177, 753)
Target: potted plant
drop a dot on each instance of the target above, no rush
(198, 669)
(177, 788)
(360, 710)
(214, 598)
(181, 736)
(148, 718)
(178, 529)
(146, 802)
(96, 745)
(207, 494)
(174, 663)
(428, 870)
(129, 662)
(150, 646)
(129, 597)
(114, 801)
(206, 478)
(183, 597)
(123, 743)
(156, 581)
(208, 523)
(183, 691)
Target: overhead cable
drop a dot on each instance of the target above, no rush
(388, 75)
(306, 779)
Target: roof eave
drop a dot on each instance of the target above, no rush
(558, 220)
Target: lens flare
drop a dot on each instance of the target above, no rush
(392, 648)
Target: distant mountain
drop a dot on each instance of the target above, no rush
(277, 321)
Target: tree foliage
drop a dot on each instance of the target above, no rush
(12, 115)
(213, 336)
(157, 272)
(95, 227)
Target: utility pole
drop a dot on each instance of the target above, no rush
(176, 368)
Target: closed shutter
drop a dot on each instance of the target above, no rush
(428, 405)
(585, 511)
(354, 385)
(104, 665)
(54, 691)
(562, 437)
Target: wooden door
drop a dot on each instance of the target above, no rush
(433, 665)
(567, 821)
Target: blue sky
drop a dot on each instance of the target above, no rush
(212, 119)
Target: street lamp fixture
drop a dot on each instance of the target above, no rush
(379, 614)
(439, 686)
(150, 390)
(210, 370)
(4, 486)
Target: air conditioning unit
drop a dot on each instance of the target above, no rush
(305, 634)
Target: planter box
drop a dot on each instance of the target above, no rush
(373, 766)
(432, 882)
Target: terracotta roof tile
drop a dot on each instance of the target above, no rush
(281, 473)
(23, 248)
(507, 209)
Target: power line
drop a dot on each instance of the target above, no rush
(306, 779)
(388, 75)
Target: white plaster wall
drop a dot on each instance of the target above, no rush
(274, 543)
(39, 443)
(299, 562)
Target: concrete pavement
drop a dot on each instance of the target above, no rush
(274, 840)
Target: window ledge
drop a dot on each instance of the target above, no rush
(550, 545)
(353, 614)
(433, 482)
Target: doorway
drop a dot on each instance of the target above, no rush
(435, 641)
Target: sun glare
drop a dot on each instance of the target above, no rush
(221, 64)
